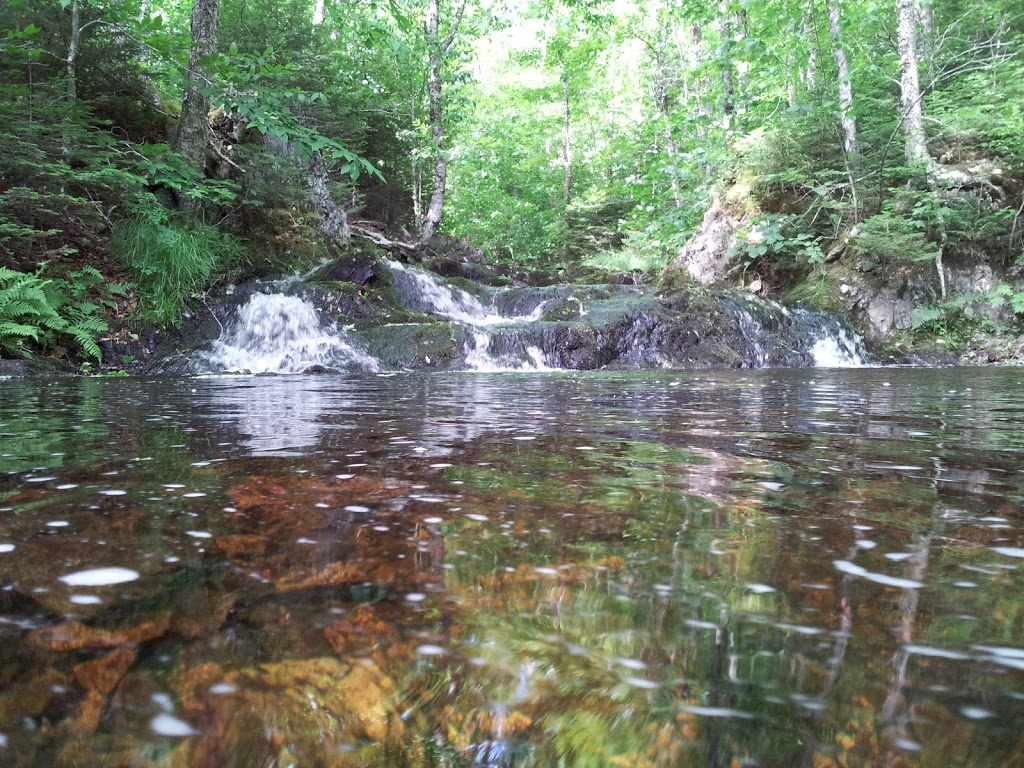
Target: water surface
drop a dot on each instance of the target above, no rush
(774, 568)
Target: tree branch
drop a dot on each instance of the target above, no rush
(450, 37)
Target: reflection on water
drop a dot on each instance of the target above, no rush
(775, 568)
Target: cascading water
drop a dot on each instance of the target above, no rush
(275, 333)
(427, 292)
(835, 346)
(576, 327)
(777, 335)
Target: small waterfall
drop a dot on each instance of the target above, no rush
(518, 356)
(776, 335)
(275, 333)
(835, 345)
(427, 292)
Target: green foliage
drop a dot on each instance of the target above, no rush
(50, 311)
(983, 110)
(895, 236)
(779, 237)
(171, 261)
(948, 322)
(1004, 294)
(161, 167)
(956, 321)
(256, 87)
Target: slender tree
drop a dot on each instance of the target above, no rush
(728, 87)
(193, 125)
(566, 142)
(847, 121)
(910, 86)
(811, 73)
(438, 47)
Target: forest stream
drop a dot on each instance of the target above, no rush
(816, 567)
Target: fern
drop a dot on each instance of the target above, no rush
(45, 310)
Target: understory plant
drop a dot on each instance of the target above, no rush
(52, 312)
(780, 238)
(956, 321)
(171, 261)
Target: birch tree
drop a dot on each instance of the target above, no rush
(848, 123)
(438, 47)
(910, 86)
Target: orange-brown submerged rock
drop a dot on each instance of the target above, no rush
(73, 635)
(103, 674)
(362, 631)
(332, 574)
(313, 712)
(287, 506)
(86, 718)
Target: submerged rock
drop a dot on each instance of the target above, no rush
(311, 712)
(103, 674)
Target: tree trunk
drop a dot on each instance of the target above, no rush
(811, 73)
(193, 125)
(791, 75)
(435, 209)
(566, 148)
(333, 220)
(847, 121)
(910, 86)
(926, 18)
(319, 12)
(438, 48)
(334, 225)
(72, 62)
(916, 148)
(728, 102)
(72, 76)
(663, 104)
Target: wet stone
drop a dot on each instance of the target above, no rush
(103, 674)
(314, 711)
(73, 635)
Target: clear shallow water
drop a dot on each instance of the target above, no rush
(773, 568)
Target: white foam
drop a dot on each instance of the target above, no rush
(99, 577)
(430, 650)
(845, 566)
(1009, 551)
(275, 333)
(169, 725)
(716, 712)
(838, 351)
(937, 653)
(85, 600)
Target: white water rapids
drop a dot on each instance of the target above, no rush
(280, 333)
(275, 333)
(436, 296)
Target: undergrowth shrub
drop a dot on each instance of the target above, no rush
(51, 312)
(171, 261)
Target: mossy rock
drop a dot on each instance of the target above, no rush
(437, 345)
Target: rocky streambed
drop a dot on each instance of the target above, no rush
(359, 313)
